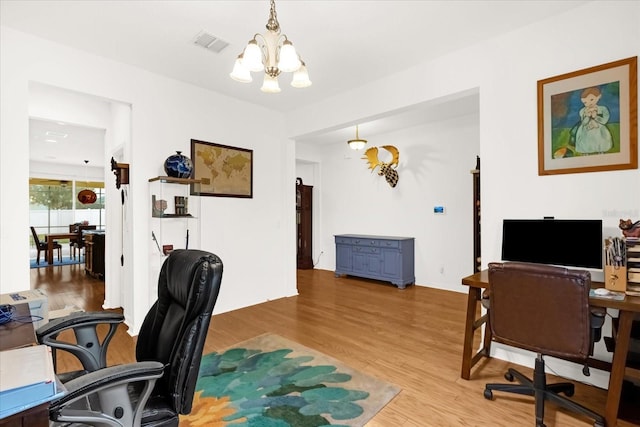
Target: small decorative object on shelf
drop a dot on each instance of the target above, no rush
(178, 165)
(158, 206)
(629, 228)
(121, 171)
(181, 205)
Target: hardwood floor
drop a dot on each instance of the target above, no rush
(412, 338)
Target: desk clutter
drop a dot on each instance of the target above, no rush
(633, 266)
(622, 265)
(38, 305)
(21, 389)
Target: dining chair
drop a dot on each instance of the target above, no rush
(42, 246)
(78, 242)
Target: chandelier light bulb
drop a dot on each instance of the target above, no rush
(252, 57)
(240, 73)
(270, 84)
(301, 77)
(289, 61)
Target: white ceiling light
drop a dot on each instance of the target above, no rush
(271, 53)
(56, 134)
(357, 144)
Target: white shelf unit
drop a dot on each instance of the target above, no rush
(176, 226)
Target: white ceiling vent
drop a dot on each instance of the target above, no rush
(210, 42)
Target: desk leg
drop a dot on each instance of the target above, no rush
(618, 368)
(50, 251)
(470, 326)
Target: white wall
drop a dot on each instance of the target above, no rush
(257, 249)
(506, 70)
(435, 163)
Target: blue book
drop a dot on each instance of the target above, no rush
(27, 379)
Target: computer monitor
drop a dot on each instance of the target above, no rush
(562, 242)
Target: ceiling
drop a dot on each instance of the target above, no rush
(345, 44)
(63, 143)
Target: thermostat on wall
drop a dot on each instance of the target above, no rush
(438, 210)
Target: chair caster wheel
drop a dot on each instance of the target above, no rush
(508, 376)
(488, 394)
(598, 424)
(570, 393)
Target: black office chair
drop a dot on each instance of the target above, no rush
(42, 246)
(544, 309)
(153, 391)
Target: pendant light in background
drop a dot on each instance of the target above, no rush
(86, 196)
(357, 144)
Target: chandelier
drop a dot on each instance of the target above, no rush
(272, 53)
(357, 144)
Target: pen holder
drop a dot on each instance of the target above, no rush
(615, 278)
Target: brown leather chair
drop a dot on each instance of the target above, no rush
(42, 246)
(544, 309)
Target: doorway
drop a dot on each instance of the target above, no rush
(66, 128)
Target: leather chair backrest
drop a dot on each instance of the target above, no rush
(175, 328)
(541, 308)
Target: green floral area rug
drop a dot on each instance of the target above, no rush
(269, 381)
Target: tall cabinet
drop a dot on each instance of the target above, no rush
(304, 226)
(477, 259)
(175, 221)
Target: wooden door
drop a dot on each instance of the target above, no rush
(304, 225)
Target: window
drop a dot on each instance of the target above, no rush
(53, 205)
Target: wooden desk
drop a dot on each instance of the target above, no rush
(629, 308)
(17, 334)
(51, 237)
(14, 335)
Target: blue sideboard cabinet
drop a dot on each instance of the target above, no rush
(386, 258)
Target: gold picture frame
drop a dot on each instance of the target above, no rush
(588, 119)
(224, 171)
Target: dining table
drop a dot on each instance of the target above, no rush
(51, 237)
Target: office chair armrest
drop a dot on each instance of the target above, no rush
(87, 348)
(110, 387)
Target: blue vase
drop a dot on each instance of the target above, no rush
(178, 166)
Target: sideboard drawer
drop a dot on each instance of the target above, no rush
(366, 249)
(357, 241)
(389, 243)
(365, 242)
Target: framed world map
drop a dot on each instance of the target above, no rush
(224, 171)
